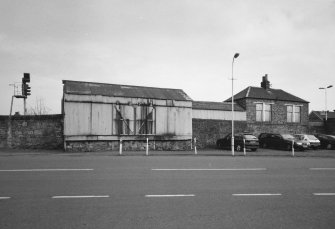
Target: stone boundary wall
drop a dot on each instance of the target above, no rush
(133, 145)
(207, 131)
(330, 126)
(32, 132)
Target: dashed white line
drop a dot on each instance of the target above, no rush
(232, 169)
(42, 170)
(74, 197)
(322, 168)
(257, 194)
(4, 197)
(176, 195)
(324, 194)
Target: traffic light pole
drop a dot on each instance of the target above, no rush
(25, 106)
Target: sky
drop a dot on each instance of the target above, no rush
(182, 44)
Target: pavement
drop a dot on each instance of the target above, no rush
(193, 152)
(88, 190)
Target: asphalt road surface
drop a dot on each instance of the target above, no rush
(101, 191)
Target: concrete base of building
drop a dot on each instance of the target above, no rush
(131, 145)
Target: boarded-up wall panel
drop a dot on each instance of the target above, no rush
(77, 120)
(102, 119)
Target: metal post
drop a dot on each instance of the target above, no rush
(232, 104)
(292, 148)
(120, 147)
(244, 149)
(147, 148)
(24, 106)
(326, 103)
(195, 146)
(11, 107)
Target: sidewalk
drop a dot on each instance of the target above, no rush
(206, 152)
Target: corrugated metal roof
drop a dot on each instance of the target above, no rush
(271, 94)
(204, 105)
(115, 90)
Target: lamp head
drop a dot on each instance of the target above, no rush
(330, 86)
(236, 55)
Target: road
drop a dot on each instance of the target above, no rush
(101, 191)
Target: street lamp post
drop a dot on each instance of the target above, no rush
(232, 104)
(325, 88)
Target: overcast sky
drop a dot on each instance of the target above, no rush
(184, 44)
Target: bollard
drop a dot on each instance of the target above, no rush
(120, 147)
(292, 148)
(195, 146)
(147, 148)
(244, 149)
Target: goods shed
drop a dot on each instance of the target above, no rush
(98, 115)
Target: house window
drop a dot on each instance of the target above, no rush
(263, 112)
(293, 113)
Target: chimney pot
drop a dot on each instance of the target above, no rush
(265, 83)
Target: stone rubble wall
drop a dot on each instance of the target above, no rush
(31, 132)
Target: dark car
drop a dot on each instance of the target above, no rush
(251, 142)
(281, 141)
(327, 141)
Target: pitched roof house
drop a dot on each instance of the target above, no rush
(272, 110)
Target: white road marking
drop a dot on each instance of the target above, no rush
(324, 194)
(69, 197)
(4, 197)
(42, 170)
(176, 195)
(233, 169)
(322, 168)
(257, 194)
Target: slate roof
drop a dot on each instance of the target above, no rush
(203, 105)
(115, 90)
(270, 94)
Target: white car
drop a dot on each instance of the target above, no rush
(311, 140)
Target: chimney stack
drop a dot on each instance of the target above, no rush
(265, 83)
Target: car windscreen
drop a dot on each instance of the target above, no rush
(287, 136)
(312, 137)
(250, 137)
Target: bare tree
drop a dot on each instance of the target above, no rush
(39, 108)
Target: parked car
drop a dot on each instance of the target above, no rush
(327, 141)
(251, 142)
(311, 140)
(280, 141)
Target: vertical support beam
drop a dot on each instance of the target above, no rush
(147, 148)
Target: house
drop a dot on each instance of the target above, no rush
(272, 110)
(99, 116)
(320, 124)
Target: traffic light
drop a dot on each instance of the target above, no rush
(26, 89)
